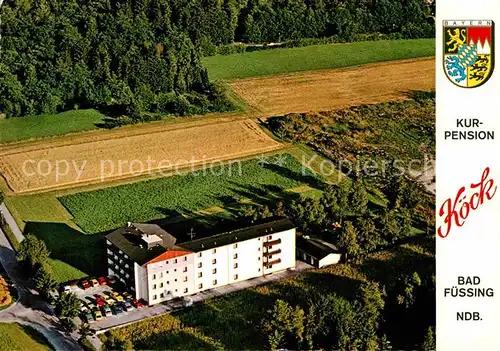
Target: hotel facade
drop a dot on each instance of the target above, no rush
(155, 268)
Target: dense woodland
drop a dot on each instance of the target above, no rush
(131, 56)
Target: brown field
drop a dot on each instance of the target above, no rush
(97, 157)
(336, 89)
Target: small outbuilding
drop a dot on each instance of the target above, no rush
(317, 252)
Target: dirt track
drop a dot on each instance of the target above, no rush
(95, 158)
(338, 88)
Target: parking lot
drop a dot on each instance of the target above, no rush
(137, 314)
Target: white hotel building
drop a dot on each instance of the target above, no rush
(148, 260)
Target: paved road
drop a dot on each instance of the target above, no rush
(30, 309)
(11, 222)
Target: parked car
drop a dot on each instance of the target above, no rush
(111, 280)
(83, 306)
(127, 296)
(117, 296)
(102, 281)
(127, 306)
(117, 309)
(66, 289)
(94, 283)
(187, 301)
(109, 300)
(85, 284)
(99, 302)
(106, 310)
(88, 318)
(97, 315)
(136, 303)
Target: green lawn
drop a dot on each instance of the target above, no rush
(108, 208)
(14, 337)
(259, 63)
(22, 128)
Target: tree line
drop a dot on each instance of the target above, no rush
(136, 56)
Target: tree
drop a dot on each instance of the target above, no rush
(84, 330)
(2, 197)
(67, 305)
(45, 280)
(370, 302)
(358, 198)
(389, 226)
(368, 236)
(68, 324)
(429, 343)
(284, 324)
(407, 289)
(32, 251)
(348, 241)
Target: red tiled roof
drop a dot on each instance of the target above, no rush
(168, 255)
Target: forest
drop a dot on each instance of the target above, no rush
(135, 56)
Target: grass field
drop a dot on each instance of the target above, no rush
(130, 152)
(14, 337)
(108, 208)
(260, 63)
(21, 128)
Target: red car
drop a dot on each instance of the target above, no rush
(85, 285)
(136, 303)
(111, 280)
(99, 302)
(102, 281)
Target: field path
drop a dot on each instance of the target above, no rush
(338, 88)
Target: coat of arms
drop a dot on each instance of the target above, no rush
(468, 52)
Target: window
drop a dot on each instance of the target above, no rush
(214, 251)
(154, 276)
(185, 258)
(161, 275)
(258, 258)
(168, 282)
(235, 246)
(235, 276)
(258, 249)
(154, 286)
(269, 248)
(214, 270)
(200, 274)
(235, 256)
(155, 297)
(235, 265)
(175, 261)
(185, 269)
(175, 279)
(175, 270)
(185, 279)
(200, 265)
(269, 237)
(161, 285)
(258, 270)
(199, 254)
(167, 272)
(214, 282)
(162, 295)
(167, 262)
(200, 286)
(270, 256)
(185, 290)
(214, 261)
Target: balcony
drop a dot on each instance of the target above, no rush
(271, 243)
(275, 252)
(270, 264)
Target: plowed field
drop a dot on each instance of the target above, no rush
(338, 88)
(131, 152)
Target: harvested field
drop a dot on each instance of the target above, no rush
(131, 152)
(338, 88)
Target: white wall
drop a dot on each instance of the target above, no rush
(141, 282)
(287, 254)
(170, 279)
(330, 259)
(206, 260)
